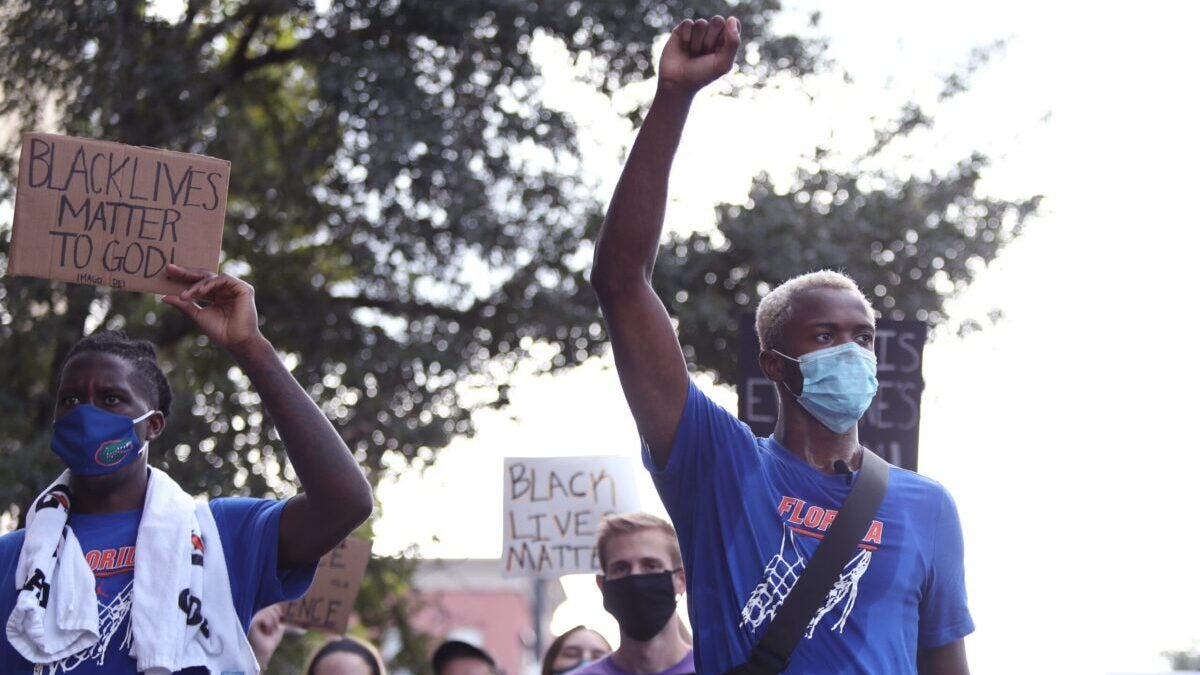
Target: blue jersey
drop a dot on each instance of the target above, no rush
(749, 515)
(249, 530)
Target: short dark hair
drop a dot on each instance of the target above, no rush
(140, 354)
(350, 645)
(457, 649)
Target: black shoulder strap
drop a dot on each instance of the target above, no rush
(774, 648)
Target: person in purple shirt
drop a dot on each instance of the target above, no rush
(643, 578)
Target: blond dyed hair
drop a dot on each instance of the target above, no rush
(776, 308)
(627, 523)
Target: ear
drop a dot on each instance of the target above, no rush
(155, 424)
(600, 582)
(680, 578)
(773, 365)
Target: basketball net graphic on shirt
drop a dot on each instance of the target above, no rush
(111, 617)
(784, 569)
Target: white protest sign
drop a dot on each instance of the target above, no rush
(552, 510)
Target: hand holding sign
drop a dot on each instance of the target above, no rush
(222, 306)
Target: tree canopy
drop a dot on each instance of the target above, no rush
(412, 214)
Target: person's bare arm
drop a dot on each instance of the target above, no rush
(949, 659)
(649, 360)
(336, 497)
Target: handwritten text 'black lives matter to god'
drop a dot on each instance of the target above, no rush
(552, 510)
(106, 214)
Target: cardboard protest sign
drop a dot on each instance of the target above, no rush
(553, 507)
(106, 214)
(327, 604)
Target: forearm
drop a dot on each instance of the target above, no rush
(628, 242)
(337, 498)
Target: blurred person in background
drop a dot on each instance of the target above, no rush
(346, 655)
(573, 649)
(455, 657)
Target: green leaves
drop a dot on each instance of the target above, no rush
(909, 243)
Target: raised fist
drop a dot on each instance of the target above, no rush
(698, 52)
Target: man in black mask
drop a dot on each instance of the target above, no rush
(643, 577)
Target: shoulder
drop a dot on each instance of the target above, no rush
(925, 503)
(705, 415)
(914, 487)
(238, 512)
(10, 545)
(10, 554)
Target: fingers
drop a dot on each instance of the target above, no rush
(705, 36)
(186, 306)
(684, 32)
(733, 35)
(205, 283)
(187, 274)
(215, 287)
(716, 26)
(695, 45)
(728, 44)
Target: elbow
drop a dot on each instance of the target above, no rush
(610, 282)
(360, 506)
(354, 505)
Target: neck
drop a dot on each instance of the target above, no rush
(654, 655)
(124, 490)
(808, 439)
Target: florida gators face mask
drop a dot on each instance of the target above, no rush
(95, 442)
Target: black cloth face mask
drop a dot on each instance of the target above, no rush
(641, 603)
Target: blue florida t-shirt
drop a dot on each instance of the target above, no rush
(749, 515)
(249, 531)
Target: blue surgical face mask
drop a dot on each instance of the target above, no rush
(95, 442)
(839, 383)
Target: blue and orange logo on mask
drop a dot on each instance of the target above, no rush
(112, 452)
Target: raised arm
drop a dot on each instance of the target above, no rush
(649, 360)
(336, 497)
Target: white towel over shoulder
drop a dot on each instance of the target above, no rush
(47, 624)
(183, 614)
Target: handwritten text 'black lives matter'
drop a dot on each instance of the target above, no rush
(125, 209)
(554, 515)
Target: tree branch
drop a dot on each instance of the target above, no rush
(214, 29)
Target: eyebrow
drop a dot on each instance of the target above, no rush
(834, 325)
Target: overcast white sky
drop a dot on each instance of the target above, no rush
(1061, 431)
